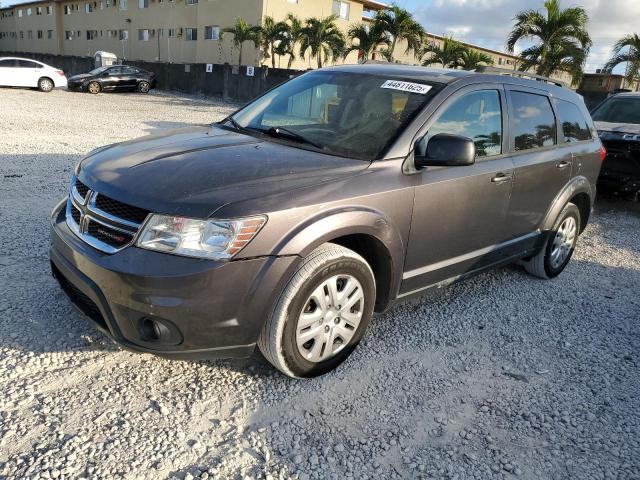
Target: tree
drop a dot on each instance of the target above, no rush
(291, 37)
(631, 57)
(243, 32)
(271, 35)
(449, 55)
(399, 24)
(323, 37)
(472, 59)
(560, 37)
(365, 39)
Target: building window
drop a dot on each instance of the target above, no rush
(143, 3)
(40, 34)
(19, 12)
(212, 32)
(192, 2)
(67, 9)
(191, 34)
(30, 34)
(341, 9)
(143, 35)
(49, 10)
(123, 5)
(172, 32)
(92, 34)
(29, 12)
(38, 10)
(124, 34)
(90, 7)
(21, 34)
(49, 34)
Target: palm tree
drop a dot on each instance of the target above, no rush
(291, 36)
(472, 59)
(561, 40)
(449, 55)
(272, 34)
(323, 37)
(243, 32)
(631, 57)
(368, 37)
(399, 24)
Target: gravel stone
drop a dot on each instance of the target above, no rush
(427, 394)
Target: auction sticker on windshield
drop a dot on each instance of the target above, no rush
(406, 86)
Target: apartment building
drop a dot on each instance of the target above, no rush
(178, 31)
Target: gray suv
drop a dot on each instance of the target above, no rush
(285, 226)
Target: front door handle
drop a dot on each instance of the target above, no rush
(562, 164)
(501, 178)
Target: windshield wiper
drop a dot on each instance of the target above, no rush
(286, 133)
(234, 123)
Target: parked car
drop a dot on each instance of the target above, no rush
(24, 72)
(115, 78)
(618, 122)
(335, 194)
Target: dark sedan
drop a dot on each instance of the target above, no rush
(115, 78)
(618, 122)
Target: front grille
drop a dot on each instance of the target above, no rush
(104, 223)
(108, 235)
(121, 210)
(79, 299)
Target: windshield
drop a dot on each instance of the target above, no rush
(98, 71)
(349, 114)
(619, 110)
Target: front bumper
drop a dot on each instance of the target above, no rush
(205, 309)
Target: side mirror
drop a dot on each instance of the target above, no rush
(445, 150)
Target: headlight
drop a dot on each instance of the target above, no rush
(213, 239)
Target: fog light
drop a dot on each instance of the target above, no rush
(154, 330)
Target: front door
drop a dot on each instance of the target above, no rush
(459, 212)
(541, 168)
(8, 72)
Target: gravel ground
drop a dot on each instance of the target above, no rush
(502, 376)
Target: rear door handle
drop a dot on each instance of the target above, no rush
(562, 164)
(501, 178)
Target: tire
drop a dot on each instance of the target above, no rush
(281, 340)
(94, 88)
(548, 263)
(144, 87)
(45, 84)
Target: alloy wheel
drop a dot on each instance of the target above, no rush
(563, 241)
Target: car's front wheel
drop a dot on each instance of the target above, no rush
(45, 84)
(94, 87)
(322, 313)
(558, 249)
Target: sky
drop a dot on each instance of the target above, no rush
(488, 22)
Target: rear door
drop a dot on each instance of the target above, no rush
(129, 79)
(459, 212)
(541, 168)
(8, 72)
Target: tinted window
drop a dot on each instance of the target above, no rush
(27, 64)
(129, 71)
(574, 126)
(618, 110)
(115, 71)
(10, 63)
(533, 124)
(476, 115)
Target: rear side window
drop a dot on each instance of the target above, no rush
(574, 126)
(475, 115)
(533, 124)
(27, 64)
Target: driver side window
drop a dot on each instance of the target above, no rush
(475, 115)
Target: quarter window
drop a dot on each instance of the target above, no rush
(475, 115)
(574, 126)
(533, 124)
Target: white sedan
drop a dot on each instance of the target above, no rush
(23, 72)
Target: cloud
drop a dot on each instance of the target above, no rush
(488, 22)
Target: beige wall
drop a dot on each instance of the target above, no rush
(33, 23)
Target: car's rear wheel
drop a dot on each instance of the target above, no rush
(322, 313)
(560, 244)
(94, 88)
(144, 87)
(45, 84)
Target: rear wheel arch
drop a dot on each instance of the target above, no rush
(578, 191)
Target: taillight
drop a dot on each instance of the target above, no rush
(60, 72)
(603, 153)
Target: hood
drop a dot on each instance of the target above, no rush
(197, 170)
(632, 128)
(81, 76)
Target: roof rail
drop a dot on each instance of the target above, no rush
(521, 74)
